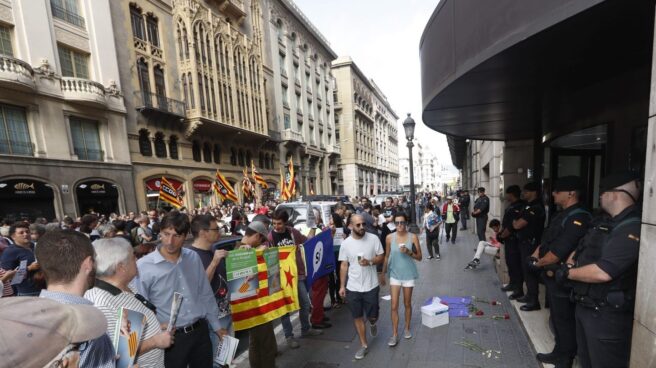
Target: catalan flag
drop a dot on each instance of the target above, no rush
(283, 187)
(258, 178)
(168, 194)
(246, 185)
(223, 189)
(265, 307)
(291, 181)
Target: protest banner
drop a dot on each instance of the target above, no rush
(319, 256)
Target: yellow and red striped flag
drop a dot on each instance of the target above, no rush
(265, 307)
(168, 194)
(258, 178)
(291, 181)
(283, 187)
(246, 185)
(223, 189)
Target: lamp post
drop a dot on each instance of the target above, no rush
(409, 127)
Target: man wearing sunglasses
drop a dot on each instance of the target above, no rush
(359, 254)
(603, 273)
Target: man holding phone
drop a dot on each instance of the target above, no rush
(359, 254)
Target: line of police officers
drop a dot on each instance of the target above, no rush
(588, 265)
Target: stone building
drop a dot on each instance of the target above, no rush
(300, 97)
(194, 93)
(368, 135)
(62, 118)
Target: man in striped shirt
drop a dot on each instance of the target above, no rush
(67, 260)
(116, 266)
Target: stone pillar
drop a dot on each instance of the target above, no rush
(643, 353)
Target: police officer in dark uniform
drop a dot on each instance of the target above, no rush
(463, 203)
(529, 226)
(508, 236)
(604, 271)
(481, 208)
(559, 240)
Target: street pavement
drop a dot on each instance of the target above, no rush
(428, 347)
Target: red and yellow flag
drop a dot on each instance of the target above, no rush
(246, 185)
(291, 180)
(168, 194)
(258, 178)
(263, 307)
(283, 187)
(223, 189)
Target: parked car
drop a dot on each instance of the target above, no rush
(298, 211)
(380, 199)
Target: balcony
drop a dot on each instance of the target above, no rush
(16, 148)
(16, 73)
(233, 9)
(83, 90)
(333, 149)
(288, 135)
(67, 16)
(89, 154)
(158, 107)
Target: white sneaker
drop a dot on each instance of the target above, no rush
(408, 334)
(361, 353)
(393, 341)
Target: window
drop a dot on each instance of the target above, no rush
(153, 31)
(86, 139)
(261, 161)
(67, 11)
(233, 157)
(273, 160)
(145, 147)
(195, 151)
(14, 133)
(160, 87)
(248, 157)
(160, 145)
(240, 156)
(173, 147)
(217, 154)
(287, 122)
(73, 63)
(285, 97)
(312, 142)
(283, 66)
(144, 81)
(136, 21)
(5, 41)
(207, 152)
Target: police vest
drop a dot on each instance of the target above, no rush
(556, 229)
(589, 252)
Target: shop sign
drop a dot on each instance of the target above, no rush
(24, 188)
(154, 184)
(202, 185)
(9, 189)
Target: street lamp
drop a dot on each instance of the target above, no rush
(409, 127)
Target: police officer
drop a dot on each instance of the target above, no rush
(604, 270)
(508, 236)
(559, 240)
(481, 208)
(463, 203)
(529, 226)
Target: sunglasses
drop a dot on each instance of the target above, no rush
(359, 225)
(400, 222)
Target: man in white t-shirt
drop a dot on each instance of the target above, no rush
(360, 253)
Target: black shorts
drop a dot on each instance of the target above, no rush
(363, 303)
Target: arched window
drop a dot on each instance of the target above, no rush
(145, 147)
(207, 152)
(144, 81)
(273, 161)
(136, 20)
(217, 154)
(173, 147)
(191, 92)
(195, 151)
(241, 158)
(160, 145)
(261, 161)
(185, 89)
(233, 157)
(248, 157)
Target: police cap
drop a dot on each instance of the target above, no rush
(617, 179)
(531, 187)
(568, 183)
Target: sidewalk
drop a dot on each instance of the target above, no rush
(428, 347)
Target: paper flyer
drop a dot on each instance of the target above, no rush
(272, 260)
(339, 236)
(127, 335)
(226, 350)
(175, 308)
(241, 266)
(20, 275)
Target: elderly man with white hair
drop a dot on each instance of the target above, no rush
(116, 266)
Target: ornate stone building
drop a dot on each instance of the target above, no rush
(195, 94)
(62, 118)
(301, 97)
(367, 130)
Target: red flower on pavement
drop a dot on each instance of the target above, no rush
(506, 316)
(479, 313)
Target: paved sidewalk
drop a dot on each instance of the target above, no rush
(429, 347)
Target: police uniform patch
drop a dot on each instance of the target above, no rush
(578, 223)
(633, 237)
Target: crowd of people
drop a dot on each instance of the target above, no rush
(135, 261)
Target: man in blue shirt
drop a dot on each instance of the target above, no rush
(172, 268)
(21, 249)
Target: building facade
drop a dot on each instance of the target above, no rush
(368, 132)
(62, 117)
(194, 93)
(300, 96)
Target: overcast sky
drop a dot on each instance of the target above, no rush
(382, 37)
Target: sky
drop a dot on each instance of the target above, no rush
(382, 37)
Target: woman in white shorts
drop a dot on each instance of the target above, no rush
(402, 250)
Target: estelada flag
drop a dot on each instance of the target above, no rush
(257, 177)
(265, 307)
(168, 194)
(223, 189)
(246, 185)
(291, 183)
(283, 187)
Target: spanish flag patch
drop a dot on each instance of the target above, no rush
(578, 223)
(633, 237)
